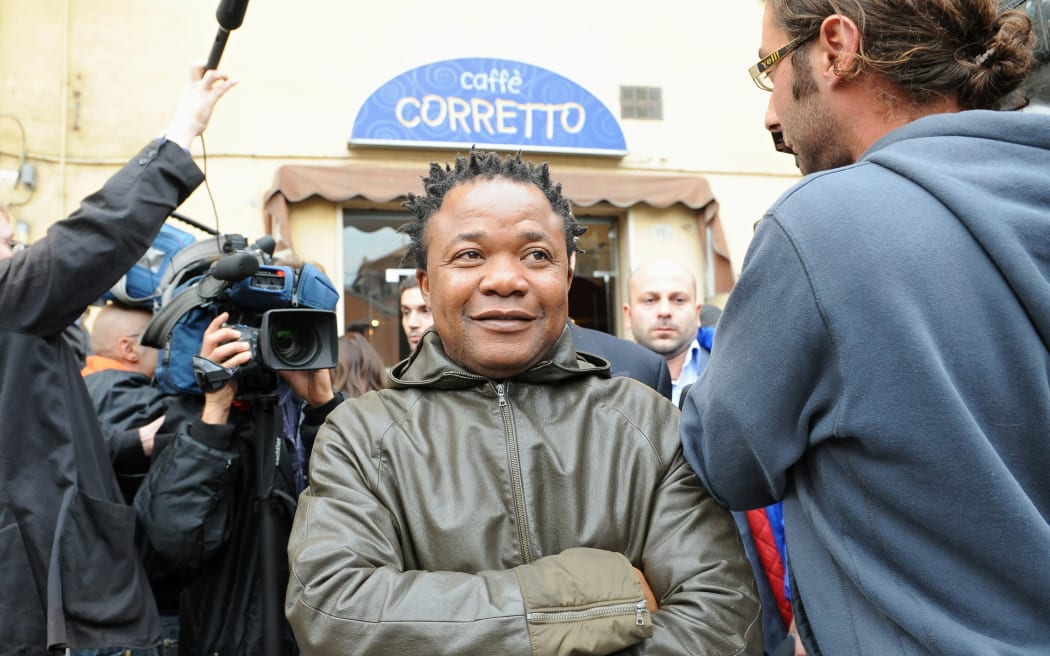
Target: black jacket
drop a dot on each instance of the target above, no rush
(626, 357)
(126, 401)
(70, 573)
(199, 506)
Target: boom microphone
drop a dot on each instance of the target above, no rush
(235, 267)
(230, 15)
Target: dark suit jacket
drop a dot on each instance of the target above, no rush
(626, 357)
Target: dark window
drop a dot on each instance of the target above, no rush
(641, 102)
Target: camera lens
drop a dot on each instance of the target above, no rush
(298, 339)
(292, 346)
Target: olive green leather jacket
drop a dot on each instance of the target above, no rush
(454, 514)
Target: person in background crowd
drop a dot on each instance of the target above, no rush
(415, 315)
(118, 377)
(664, 316)
(504, 495)
(71, 576)
(360, 368)
(909, 447)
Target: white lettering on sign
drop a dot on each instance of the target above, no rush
(497, 80)
(504, 116)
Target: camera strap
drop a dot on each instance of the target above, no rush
(210, 376)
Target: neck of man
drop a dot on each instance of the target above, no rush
(876, 109)
(677, 361)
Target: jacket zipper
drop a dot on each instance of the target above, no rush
(515, 472)
(551, 617)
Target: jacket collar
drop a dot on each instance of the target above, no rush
(430, 366)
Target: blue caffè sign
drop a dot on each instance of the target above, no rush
(488, 103)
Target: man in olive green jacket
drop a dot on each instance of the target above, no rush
(506, 496)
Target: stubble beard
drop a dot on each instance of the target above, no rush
(816, 139)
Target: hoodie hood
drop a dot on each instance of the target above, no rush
(1000, 193)
(430, 366)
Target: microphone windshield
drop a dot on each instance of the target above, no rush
(237, 266)
(230, 13)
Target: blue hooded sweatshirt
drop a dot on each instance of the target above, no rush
(882, 367)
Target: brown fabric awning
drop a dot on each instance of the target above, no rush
(382, 183)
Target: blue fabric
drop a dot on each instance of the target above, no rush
(775, 514)
(706, 337)
(292, 418)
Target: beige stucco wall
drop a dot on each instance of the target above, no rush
(92, 80)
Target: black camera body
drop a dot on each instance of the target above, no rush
(292, 339)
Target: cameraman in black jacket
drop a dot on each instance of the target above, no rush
(200, 505)
(70, 572)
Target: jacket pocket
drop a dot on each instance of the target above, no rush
(21, 608)
(102, 577)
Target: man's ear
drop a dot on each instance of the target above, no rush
(839, 43)
(572, 265)
(126, 347)
(627, 316)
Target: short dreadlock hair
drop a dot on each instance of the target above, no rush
(481, 165)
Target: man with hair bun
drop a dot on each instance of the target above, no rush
(910, 448)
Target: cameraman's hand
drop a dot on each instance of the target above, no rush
(197, 102)
(314, 386)
(220, 346)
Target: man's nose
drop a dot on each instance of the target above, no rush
(771, 119)
(503, 276)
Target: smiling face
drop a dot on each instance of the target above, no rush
(497, 276)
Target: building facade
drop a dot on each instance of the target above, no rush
(302, 148)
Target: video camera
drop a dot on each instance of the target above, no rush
(283, 312)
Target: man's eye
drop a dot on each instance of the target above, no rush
(468, 255)
(539, 255)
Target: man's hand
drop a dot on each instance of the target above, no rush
(220, 346)
(197, 102)
(147, 433)
(313, 386)
(647, 592)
